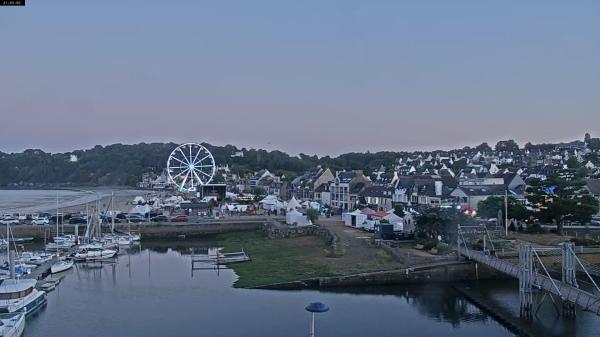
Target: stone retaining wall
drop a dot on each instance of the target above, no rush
(277, 230)
(148, 231)
(455, 272)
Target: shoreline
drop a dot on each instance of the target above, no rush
(300, 261)
(74, 202)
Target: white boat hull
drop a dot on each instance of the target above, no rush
(61, 266)
(13, 327)
(96, 255)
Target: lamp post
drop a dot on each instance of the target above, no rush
(315, 307)
(506, 212)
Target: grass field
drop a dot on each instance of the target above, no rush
(275, 261)
(292, 259)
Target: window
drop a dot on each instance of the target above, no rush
(15, 295)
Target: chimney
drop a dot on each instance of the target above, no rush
(438, 187)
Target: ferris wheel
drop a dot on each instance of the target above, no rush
(190, 165)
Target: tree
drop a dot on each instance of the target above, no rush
(507, 146)
(489, 208)
(573, 163)
(399, 210)
(436, 221)
(312, 214)
(460, 164)
(483, 148)
(562, 197)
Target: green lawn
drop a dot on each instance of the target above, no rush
(275, 261)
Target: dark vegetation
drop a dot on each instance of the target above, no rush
(123, 165)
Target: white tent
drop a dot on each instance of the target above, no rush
(293, 204)
(173, 201)
(270, 202)
(354, 219)
(155, 202)
(140, 209)
(139, 200)
(237, 208)
(294, 217)
(395, 220)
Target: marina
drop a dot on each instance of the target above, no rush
(151, 283)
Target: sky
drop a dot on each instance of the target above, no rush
(315, 77)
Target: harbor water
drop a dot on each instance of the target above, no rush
(151, 290)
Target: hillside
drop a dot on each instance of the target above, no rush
(120, 164)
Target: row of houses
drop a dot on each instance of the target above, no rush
(349, 190)
(460, 178)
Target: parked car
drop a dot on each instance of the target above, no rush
(61, 218)
(160, 218)
(109, 219)
(180, 218)
(77, 220)
(40, 221)
(9, 221)
(135, 219)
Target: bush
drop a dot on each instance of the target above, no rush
(584, 242)
(534, 228)
(442, 247)
(312, 214)
(427, 243)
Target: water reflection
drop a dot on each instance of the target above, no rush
(437, 301)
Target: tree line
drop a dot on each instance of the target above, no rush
(123, 165)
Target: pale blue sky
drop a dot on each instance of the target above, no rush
(321, 77)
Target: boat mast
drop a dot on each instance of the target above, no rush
(112, 213)
(56, 213)
(8, 242)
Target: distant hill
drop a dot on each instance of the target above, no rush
(120, 164)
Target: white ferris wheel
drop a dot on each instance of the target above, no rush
(190, 165)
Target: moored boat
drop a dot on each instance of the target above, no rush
(12, 325)
(54, 246)
(20, 295)
(61, 266)
(35, 258)
(94, 252)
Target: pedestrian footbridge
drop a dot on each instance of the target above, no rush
(554, 273)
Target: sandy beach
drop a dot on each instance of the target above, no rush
(69, 201)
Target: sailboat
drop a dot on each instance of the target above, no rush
(94, 252)
(113, 239)
(61, 242)
(61, 266)
(19, 295)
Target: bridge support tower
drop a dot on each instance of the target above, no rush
(526, 281)
(569, 275)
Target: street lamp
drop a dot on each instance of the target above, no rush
(315, 307)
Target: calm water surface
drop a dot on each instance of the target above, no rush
(151, 291)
